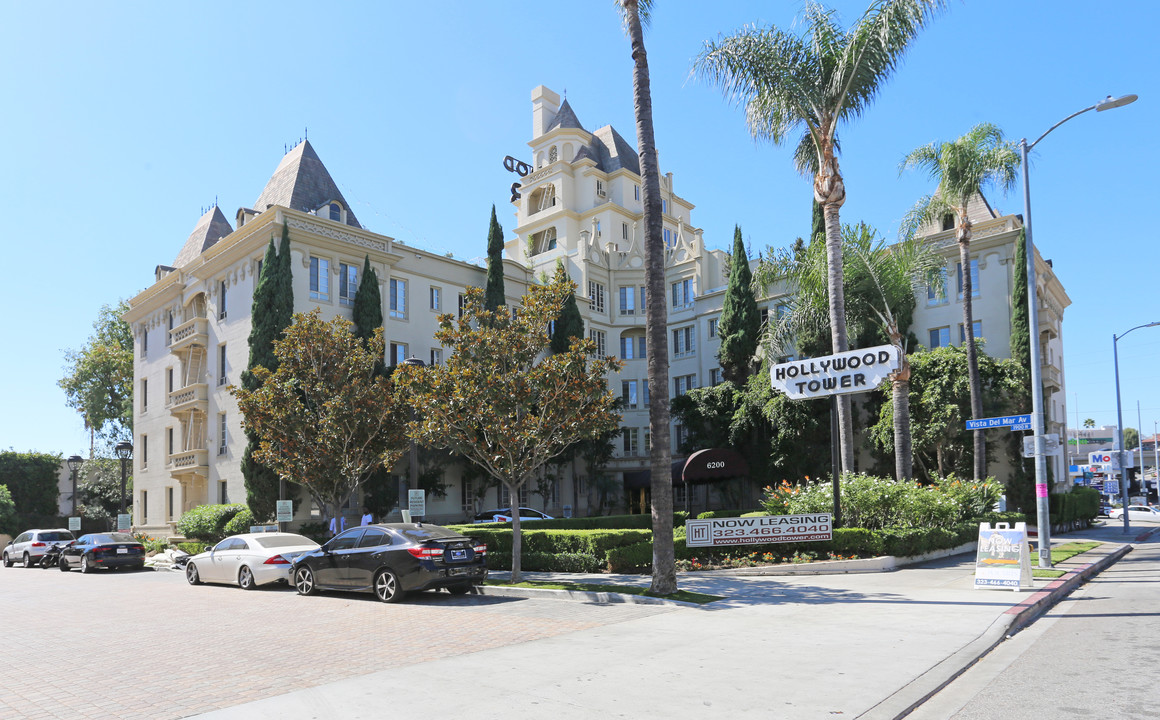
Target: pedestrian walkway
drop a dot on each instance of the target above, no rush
(855, 645)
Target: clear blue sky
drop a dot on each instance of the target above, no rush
(124, 120)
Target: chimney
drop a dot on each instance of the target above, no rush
(545, 105)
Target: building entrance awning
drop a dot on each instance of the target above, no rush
(702, 466)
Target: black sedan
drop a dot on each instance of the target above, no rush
(103, 550)
(391, 560)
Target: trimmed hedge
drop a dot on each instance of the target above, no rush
(711, 514)
(208, 522)
(584, 542)
(547, 562)
(598, 522)
(1081, 504)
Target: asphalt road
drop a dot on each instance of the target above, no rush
(1095, 655)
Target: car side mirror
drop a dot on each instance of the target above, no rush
(207, 548)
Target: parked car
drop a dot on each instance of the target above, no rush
(505, 515)
(1136, 512)
(248, 560)
(30, 545)
(103, 550)
(392, 559)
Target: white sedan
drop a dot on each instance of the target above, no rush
(248, 560)
(1136, 512)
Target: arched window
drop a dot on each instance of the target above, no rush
(544, 241)
(335, 211)
(553, 154)
(542, 199)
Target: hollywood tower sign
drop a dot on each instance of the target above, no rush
(849, 372)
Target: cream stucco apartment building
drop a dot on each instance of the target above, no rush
(580, 205)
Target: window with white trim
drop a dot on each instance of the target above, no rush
(222, 364)
(940, 337)
(976, 331)
(683, 293)
(598, 337)
(628, 394)
(436, 356)
(683, 384)
(628, 301)
(398, 353)
(398, 298)
(684, 341)
(319, 278)
(629, 441)
(435, 299)
(222, 304)
(712, 327)
(347, 284)
(936, 287)
(596, 295)
(223, 434)
(974, 279)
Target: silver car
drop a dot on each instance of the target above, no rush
(248, 560)
(30, 545)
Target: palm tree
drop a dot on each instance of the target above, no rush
(635, 14)
(963, 168)
(816, 81)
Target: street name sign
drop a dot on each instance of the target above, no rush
(853, 371)
(1003, 559)
(764, 529)
(1015, 422)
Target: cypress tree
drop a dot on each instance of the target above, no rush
(367, 312)
(1020, 321)
(494, 297)
(569, 324)
(740, 324)
(270, 314)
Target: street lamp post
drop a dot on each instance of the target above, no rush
(124, 451)
(1042, 507)
(74, 466)
(413, 453)
(1120, 425)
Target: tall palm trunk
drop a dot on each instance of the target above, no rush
(830, 191)
(664, 578)
(976, 382)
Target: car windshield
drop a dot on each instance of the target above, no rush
(281, 541)
(56, 536)
(111, 538)
(427, 532)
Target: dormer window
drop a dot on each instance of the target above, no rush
(335, 211)
(948, 222)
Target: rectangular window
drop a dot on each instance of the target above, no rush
(936, 287)
(144, 506)
(712, 327)
(222, 307)
(780, 311)
(669, 237)
(319, 279)
(600, 188)
(169, 332)
(144, 451)
(436, 356)
(636, 191)
(597, 336)
(664, 205)
(169, 439)
(144, 395)
(145, 343)
(974, 279)
(624, 231)
(223, 436)
(628, 393)
(681, 437)
(628, 301)
(647, 440)
(462, 303)
(644, 388)
(940, 337)
(223, 492)
(596, 296)
(764, 316)
(631, 348)
(168, 503)
(347, 284)
(684, 341)
(976, 330)
(398, 353)
(222, 364)
(629, 437)
(683, 384)
(168, 384)
(435, 299)
(715, 376)
(398, 295)
(683, 293)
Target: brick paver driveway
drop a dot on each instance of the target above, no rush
(148, 645)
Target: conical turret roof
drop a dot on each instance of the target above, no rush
(211, 227)
(302, 182)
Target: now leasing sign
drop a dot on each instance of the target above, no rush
(764, 529)
(853, 371)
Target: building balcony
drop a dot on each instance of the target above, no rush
(1052, 378)
(190, 397)
(189, 462)
(192, 333)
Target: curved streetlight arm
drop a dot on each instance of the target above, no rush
(1119, 337)
(1107, 103)
(1120, 423)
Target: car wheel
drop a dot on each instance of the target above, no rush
(460, 589)
(7, 560)
(27, 560)
(63, 565)
(304, 581)
(246, 579)
(46, 562)
(85, 566)
(191, 575)
(387, 587)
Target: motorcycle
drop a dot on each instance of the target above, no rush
(51, 557)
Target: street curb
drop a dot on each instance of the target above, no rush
(580, 595)
(883, 563)
(902, 702)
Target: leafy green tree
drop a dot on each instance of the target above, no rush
(1131, 438)
(815, 82)
(270, 313)
(568, 324)
(500, 401)
(32, 480)
(940, 405)
(9, 523)
(1089, 423)
(740, 324)
(1020, 322)
(99, 489)
(325, 418)
(635, 16)
(98, 381)
(962, 168)
(494, 296)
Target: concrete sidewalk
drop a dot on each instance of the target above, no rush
(857, 645)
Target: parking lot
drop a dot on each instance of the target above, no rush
(148, 645)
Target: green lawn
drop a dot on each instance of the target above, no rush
(681, 595)
(1063, 552)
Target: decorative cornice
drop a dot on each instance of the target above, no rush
(334, 233)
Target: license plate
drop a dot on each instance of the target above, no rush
(122, 551)
(458, 571)
(458, 554)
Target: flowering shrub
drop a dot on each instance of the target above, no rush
(876, 503)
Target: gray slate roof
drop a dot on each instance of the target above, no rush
(302, 182)
(610, 151)
(212, 227)
(565, 118)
